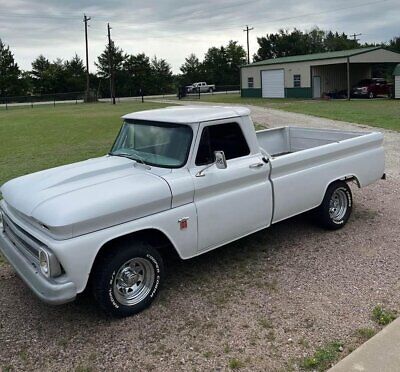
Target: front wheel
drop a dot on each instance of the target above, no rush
(335, 209)
(127, 278)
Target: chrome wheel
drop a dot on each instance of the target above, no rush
(133, 281)
(338, 205)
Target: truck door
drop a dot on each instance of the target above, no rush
(230, 202)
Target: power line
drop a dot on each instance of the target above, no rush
(354, 36)
(247, 30)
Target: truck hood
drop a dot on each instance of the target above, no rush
(75, 199)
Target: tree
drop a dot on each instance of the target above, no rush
(137, 74)
(41, 75)
(75, 74)
(334, 41)
(10, 74)
(281, 44)
(216, 65)
(192, 70)
(115, 57)
(315, 40)
(285, 43)
(57, 77)
(162, 74)
(222, 65)
(394, 44)
(236, 57)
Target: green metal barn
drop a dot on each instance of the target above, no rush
(312, 75)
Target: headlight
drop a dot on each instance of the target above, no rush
(49, 265)
(44, 263)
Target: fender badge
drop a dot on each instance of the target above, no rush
(183, 223)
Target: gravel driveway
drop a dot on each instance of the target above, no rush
(261, 303)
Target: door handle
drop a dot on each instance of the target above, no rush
(256, 165)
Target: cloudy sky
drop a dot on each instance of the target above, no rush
(173, 29)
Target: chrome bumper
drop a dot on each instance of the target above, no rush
(48, 290)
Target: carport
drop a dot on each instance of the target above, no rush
(353, 68)
(312, 75)
(338, 77)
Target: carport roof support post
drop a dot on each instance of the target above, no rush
(348, 78)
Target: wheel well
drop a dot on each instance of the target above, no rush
(154, 237)
(350, 178)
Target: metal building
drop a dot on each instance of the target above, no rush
(312, 75)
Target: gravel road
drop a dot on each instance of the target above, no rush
(260, 304)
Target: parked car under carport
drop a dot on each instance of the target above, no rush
(371, 88)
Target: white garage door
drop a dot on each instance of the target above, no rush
(273, 84)
(397, 87)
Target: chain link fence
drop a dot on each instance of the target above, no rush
(197, 93)
(34, 100)
(80, 97)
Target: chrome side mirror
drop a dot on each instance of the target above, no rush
(220, 160)
(220, 163)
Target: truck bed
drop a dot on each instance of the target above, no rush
(286, 140)
(303, 161)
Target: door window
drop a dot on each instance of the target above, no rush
(221, 137)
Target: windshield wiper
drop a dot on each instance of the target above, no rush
(136, 158)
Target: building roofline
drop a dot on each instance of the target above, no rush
(308, 57)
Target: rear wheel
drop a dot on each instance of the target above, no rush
(127, 278)
(335, 209)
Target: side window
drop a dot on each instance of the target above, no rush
(221, 137)
(250, 82)
(297, 81)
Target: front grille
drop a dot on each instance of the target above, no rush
(21, 239)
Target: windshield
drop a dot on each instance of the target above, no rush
(163, 145)
(364, 82)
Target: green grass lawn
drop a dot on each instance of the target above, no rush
(47, 136)
(383, 113)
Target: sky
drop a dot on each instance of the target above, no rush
(173, 29)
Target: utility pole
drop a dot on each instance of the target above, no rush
(85, 20)
(110, 68)
(248, 45)
(355, 37)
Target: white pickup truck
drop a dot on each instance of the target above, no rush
(201, 87)
(187, 178)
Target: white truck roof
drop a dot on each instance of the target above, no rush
(189, 114)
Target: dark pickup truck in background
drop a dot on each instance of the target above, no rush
(371, 88)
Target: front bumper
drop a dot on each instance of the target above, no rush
(359, 94)
(52, 291)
